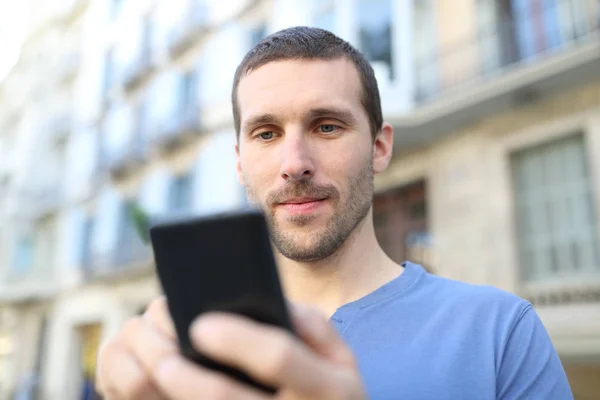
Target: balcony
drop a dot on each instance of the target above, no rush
(127, 160)
(127, 260)
(137, 70)
(69, 65)
(32, 278)
(31, 287)
(570, 311)
(44, 201)
(178, 131)
(184, 34)
(497, 69)
(60, 127)
(68, 11)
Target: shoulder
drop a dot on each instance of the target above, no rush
(475, 300)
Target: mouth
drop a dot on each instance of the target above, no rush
(302, 205)
(301, 200)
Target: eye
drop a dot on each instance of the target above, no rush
(327, 128)
(266, 135)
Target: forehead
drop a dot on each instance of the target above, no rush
(288, 87)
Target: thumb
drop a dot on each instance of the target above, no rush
(316, 331)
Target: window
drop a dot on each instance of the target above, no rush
(401, 224)
(501, 48)
(86, 242)
(375, 31)
(180, 194)
(117, 5)
(426, 57)
(129, 238)
(89, 340)
(324, 17)
(109, 71)
(536, 26)
(146, 38)
(487, 33)
(258, 33)
(59, 158)
(556, 224)
(140, 127)
(23, 255)
(45, 246)
(188, 90)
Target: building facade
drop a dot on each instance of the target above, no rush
(497, 166)
(495, 178)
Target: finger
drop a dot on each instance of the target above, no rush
(316, 331)
(179, 379)
(123, 378)
(269, 354)
(158, 315)
(149, 345)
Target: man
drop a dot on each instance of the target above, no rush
(310, 139)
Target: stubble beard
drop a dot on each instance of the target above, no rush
(321, 242)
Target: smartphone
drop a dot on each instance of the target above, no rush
(221, 262)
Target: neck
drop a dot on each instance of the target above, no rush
(357, 268)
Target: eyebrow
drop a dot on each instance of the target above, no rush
(264, 119)
(343, 115)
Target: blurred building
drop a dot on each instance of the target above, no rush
(495, 180)
(497, 165)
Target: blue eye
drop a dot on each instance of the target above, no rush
(327, 128)
(266, 135)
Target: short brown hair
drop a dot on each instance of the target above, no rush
(306, 43)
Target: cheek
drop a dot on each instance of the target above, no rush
(259, 172)
(348, 163)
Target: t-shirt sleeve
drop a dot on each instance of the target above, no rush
(530, 367)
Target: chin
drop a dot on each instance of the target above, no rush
(304, 254)
(314, 220)
(307, 244)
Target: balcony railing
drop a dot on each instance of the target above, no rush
(69, 65)
(574, 291)
(504, 46)
(45, 200)
(137, 70)
(60, 126)
(185, 33)
(31, 285)
(124, 260)
(132, 156)
(178, 130)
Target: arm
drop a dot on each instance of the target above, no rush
(530, 367)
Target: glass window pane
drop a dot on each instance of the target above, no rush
(375, 32)
(556, 224)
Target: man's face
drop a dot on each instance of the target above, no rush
(305, 153)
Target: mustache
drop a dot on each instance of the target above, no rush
(300, 189)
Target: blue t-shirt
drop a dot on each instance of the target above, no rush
(426, 337)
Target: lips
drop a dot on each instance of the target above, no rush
(301, 200)
(302, 205)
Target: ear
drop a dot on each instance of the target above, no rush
(382, 148)
(238, 165)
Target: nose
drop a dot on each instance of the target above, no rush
(296, 162)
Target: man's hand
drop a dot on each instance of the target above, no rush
(124, 369)
(143, 362)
